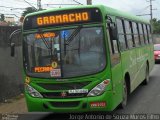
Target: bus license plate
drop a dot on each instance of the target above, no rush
(78, 91)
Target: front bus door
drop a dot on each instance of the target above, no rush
(115, 58)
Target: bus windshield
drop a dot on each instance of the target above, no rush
(64, 53)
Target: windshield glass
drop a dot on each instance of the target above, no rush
(156, 47)
(64, 53)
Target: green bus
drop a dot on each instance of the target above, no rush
(85, 58)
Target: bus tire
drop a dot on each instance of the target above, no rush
(146, 80)
(125, 95)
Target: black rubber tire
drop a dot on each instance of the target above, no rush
(123, 104)
(146, 80)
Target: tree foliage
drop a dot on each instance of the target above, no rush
(156, 25)
(28, 10)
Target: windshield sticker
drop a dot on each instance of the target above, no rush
(42, 69)
(98, 32)
(55, 73)
(54, 65)
(45, 35)
(65, 34)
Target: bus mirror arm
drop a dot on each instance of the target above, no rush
(11, 44)
(109, 19)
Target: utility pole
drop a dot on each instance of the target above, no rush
(39, 5)
(89, 2)
(151, 10)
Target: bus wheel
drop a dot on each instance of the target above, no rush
(125, 96)
(146, 80)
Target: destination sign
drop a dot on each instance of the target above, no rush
(62, 18)
(45, 35)
(42, 69)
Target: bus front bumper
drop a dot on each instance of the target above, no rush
(86, 104)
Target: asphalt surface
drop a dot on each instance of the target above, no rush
(144, 100)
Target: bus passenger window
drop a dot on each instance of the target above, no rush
(135, 32)
(121, 36)
(145, 34)
(128, 34)
(141, 33)
(149, 33)
(113, 40)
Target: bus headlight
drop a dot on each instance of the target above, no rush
(33, 92)
(99, 89)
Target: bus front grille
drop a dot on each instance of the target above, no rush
(51, 95)
(63, 86)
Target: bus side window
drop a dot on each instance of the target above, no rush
(135, 33)
(128, 34)
(149, 33)
(145, 34)
(121, 35)
(113, 42)
(141, 33)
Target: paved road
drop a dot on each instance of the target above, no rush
(145, 99)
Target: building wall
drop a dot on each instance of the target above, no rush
(9, 19)
(11, 81)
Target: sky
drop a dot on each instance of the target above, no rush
(136, 7)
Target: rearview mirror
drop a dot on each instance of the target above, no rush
(112, 28)
(114, 32)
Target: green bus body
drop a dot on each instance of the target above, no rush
(127, 65)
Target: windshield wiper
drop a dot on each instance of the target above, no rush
(74, 33)
(45, 42)
(43, 38)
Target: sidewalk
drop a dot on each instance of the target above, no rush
(15, 105)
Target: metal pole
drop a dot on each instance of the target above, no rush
(151, 9)
(39, 5)
(89, 2)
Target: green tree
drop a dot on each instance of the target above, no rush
(156, 25)
(2, 17)
(28, 10)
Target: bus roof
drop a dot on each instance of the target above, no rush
(104, 9)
